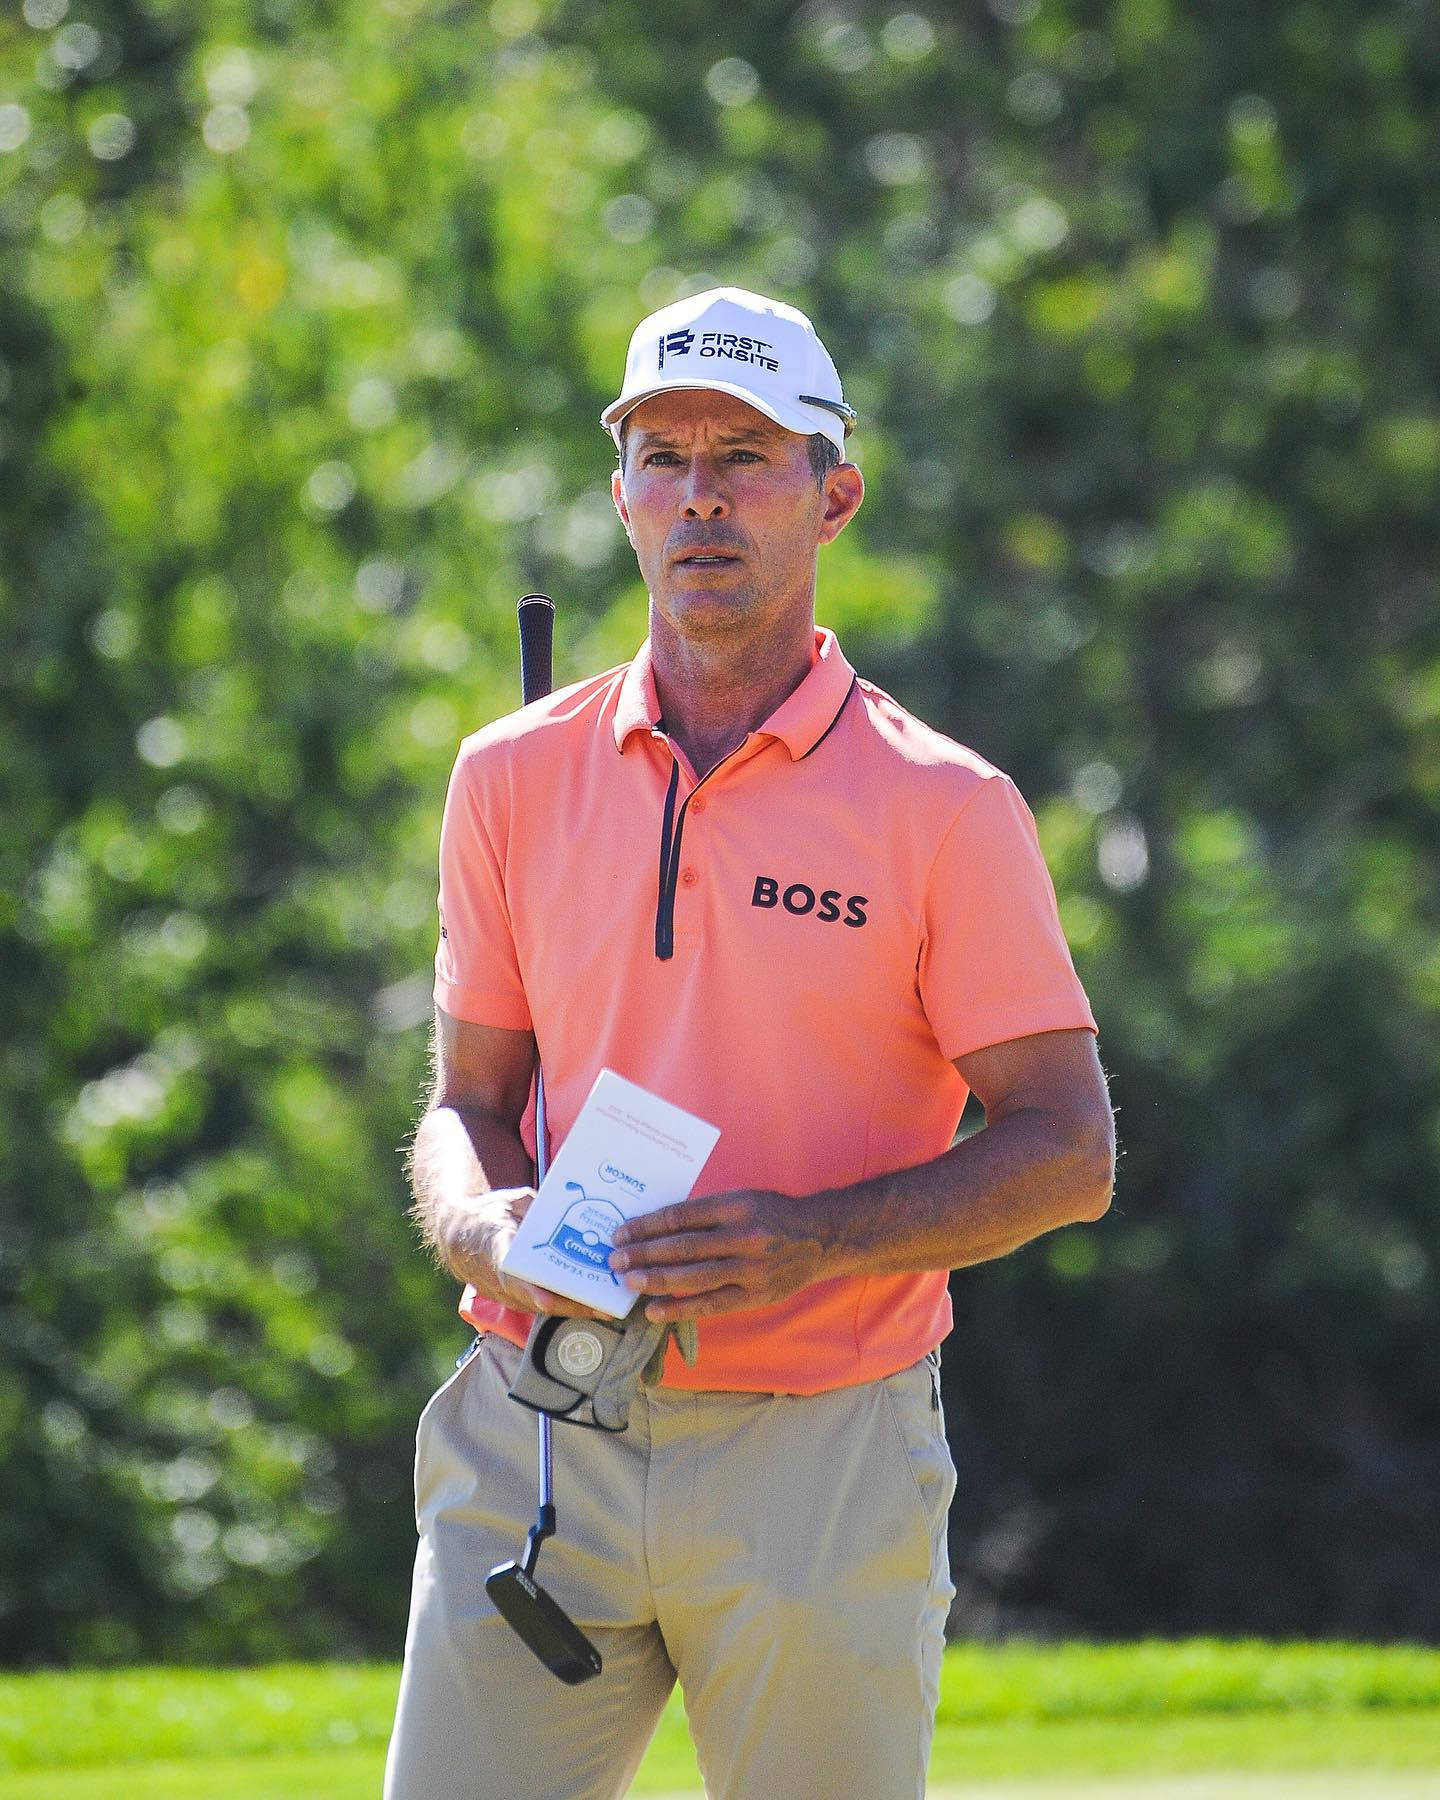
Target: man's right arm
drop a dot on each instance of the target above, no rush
(469, 1170)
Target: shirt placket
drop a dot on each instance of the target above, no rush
(682, 832)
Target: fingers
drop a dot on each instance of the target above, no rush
(711, 1255)
(686, 1247)
(564, 1308)
(688, 1278)
(525, 1296)
(711, 1213)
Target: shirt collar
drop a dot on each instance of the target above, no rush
(638, 707)
(800, 720)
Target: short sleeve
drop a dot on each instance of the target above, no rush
(994, 964)
(477, 975)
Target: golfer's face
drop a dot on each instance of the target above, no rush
(722, 510)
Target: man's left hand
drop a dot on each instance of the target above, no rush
(721, 1253)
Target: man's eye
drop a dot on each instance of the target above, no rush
(663, 457)
(746, 456)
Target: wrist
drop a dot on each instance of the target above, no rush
(831, 1218)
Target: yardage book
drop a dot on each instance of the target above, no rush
(628, 1152)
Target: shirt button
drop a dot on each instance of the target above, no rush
(698, 803)
(689, 876)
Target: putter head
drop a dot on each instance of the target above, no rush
(535, 1618)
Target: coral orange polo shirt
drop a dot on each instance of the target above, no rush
(795, 946)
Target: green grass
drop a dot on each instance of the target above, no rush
(1255, 1742)
(155, 1715)
(337, 1775)
(1122, 1716)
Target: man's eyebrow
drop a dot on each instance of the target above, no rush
(764, 432)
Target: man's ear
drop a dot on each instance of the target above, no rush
(617, 494)
(843, 492)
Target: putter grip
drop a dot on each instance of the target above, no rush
(537, 637)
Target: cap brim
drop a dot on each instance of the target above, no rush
(802, 419)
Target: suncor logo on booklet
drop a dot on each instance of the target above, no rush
(618, 1177)
(801, 900)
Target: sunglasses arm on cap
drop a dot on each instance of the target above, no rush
(838, 407)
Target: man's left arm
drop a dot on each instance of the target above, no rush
(1045, 1158)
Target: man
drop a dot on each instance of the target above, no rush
(739, 875)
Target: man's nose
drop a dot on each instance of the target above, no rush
(704, 495)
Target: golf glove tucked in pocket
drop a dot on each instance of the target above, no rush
(586, 1371)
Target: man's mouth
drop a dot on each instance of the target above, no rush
(705, 559)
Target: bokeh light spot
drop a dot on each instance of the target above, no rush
(907, 37)
(111, 136)
(732, 82)
(14, 126)
(226, 129)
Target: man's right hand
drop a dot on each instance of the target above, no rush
(486, 1237)
(470, 1137)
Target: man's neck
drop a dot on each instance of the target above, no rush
(713, 695)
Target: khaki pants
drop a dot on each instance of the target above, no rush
(783, 1555)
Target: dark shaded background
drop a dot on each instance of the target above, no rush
(306, 314)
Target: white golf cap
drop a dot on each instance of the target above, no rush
(761, 351)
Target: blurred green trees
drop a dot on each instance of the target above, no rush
(306, 315)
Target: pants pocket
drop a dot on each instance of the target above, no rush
(913, 1397)
(424, 1430)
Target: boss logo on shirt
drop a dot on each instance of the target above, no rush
(801, 900)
